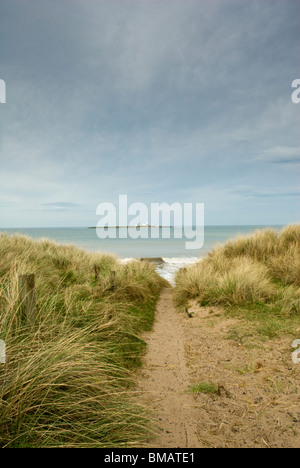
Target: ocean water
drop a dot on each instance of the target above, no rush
(171, 250)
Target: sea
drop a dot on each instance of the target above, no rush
(168, 254)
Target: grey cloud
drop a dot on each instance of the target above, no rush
(250, 191)
(281, 155)
(62, 205)
(153, 99)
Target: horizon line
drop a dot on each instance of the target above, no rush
(129, 227)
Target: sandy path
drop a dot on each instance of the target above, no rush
(164, 381)
(257, 404)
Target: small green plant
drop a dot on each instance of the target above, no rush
(246, 369)
(205, 387)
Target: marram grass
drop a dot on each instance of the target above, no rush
(69, 378)
(260, 269)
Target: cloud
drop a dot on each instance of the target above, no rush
(281, 155)
(62, 205)
(158, 100)
(7, 201)
(260, 192)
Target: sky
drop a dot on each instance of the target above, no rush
(183, 101)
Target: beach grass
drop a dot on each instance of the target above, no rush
(255, 276)
(69, 376)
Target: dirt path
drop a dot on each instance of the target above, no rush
(256, 404)
(165, 379)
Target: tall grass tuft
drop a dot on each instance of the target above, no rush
(263, 267)
(69, 378)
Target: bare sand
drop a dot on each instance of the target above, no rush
(257, 404)
(165, 377)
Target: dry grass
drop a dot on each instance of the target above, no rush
(68, 380)
(262, 268)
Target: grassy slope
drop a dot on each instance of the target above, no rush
(68, 380)
(256, 277)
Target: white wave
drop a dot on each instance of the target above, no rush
(181, 260)
(171, 265)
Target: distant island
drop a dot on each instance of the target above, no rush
(128, 227)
